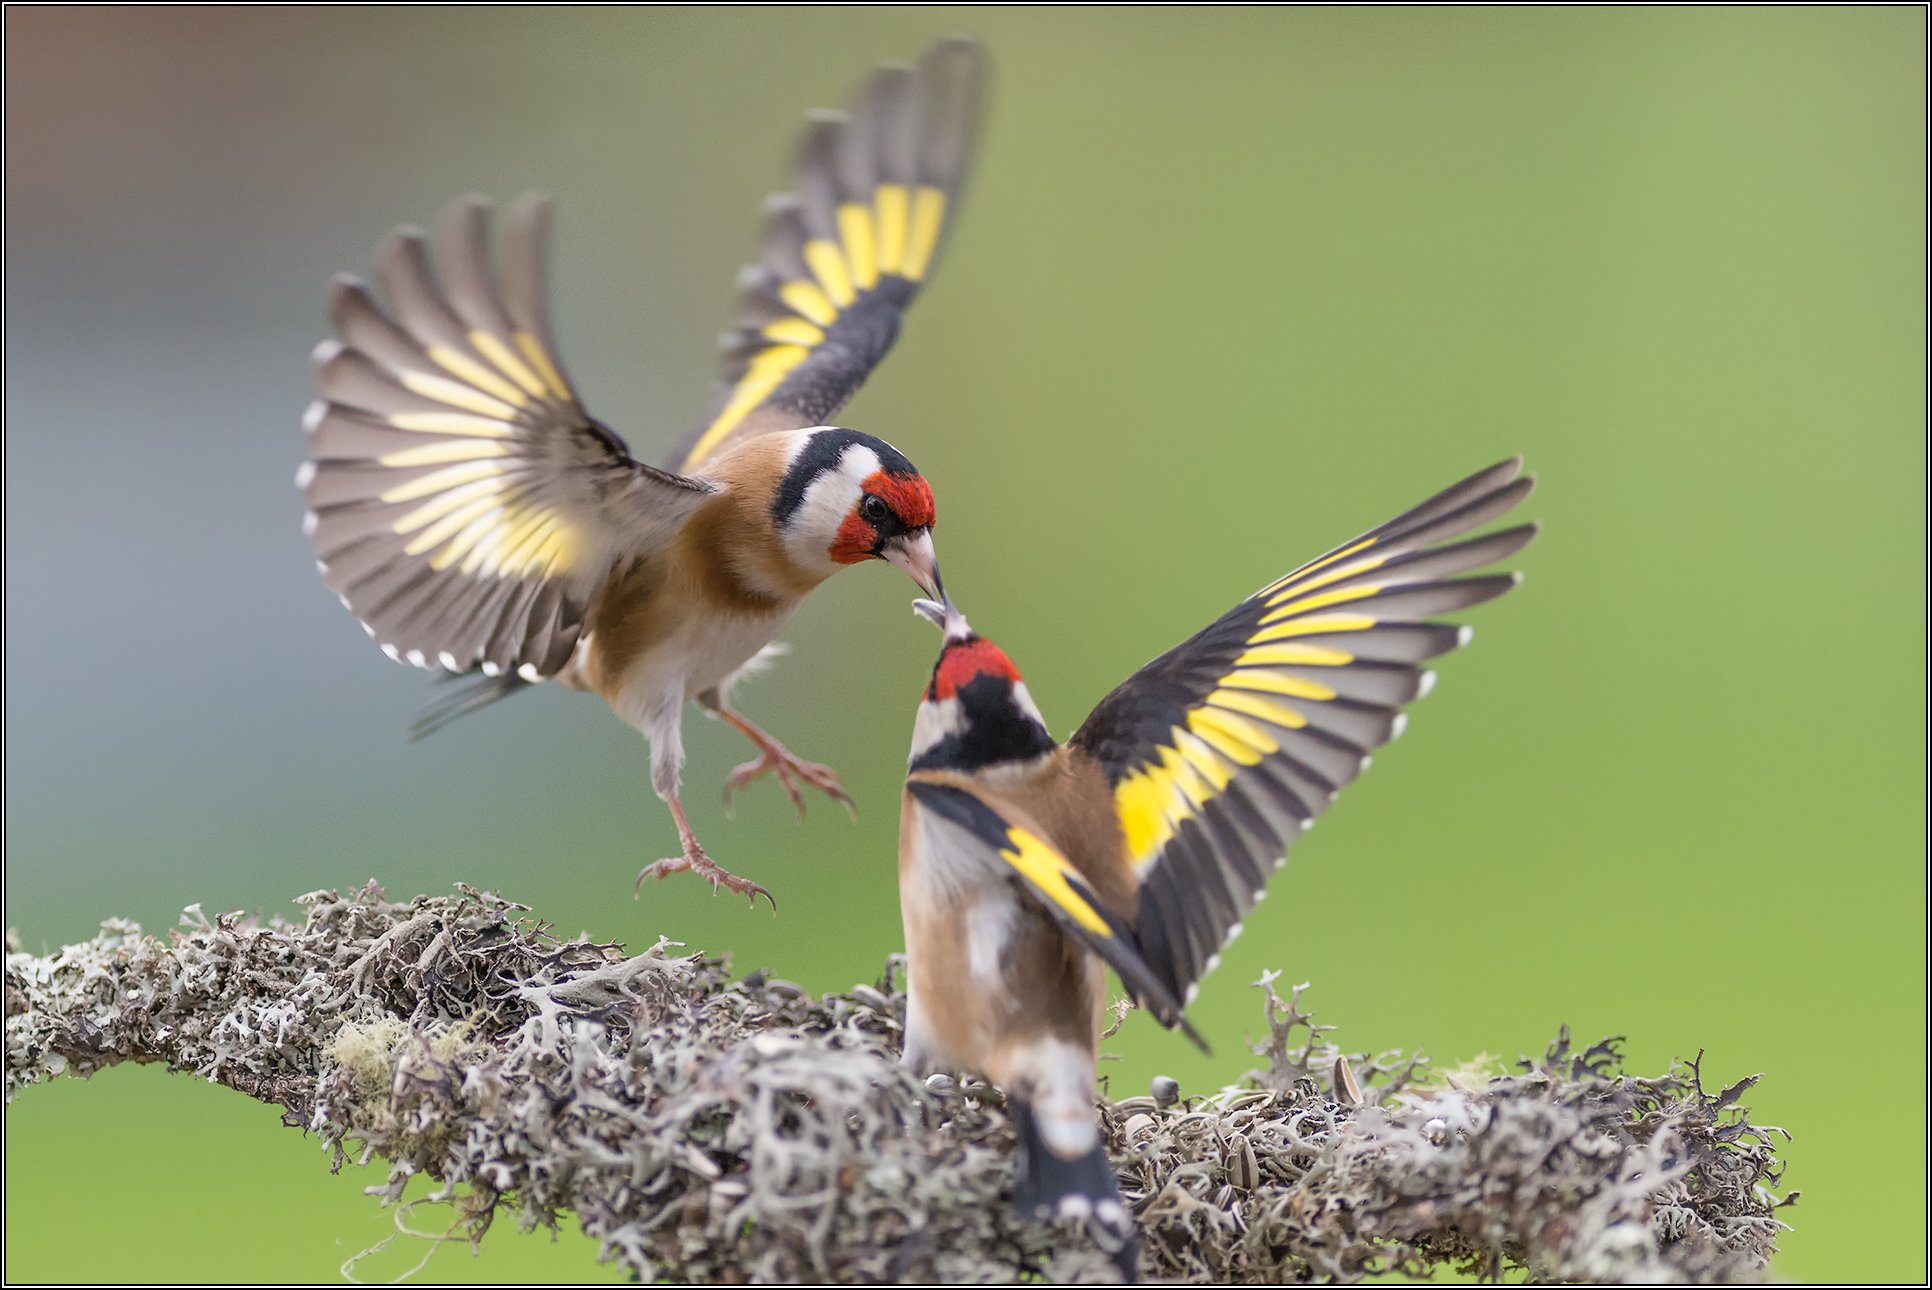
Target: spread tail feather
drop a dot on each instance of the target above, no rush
(1083, 1188)
(475, 691)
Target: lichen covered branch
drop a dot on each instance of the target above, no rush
(709, 1129)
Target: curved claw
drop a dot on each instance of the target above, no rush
(775, 760)
(705, 867)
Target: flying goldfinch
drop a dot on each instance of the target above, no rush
(480, 523)
(1028, 867)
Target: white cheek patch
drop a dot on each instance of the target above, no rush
(936, 719)
(1024, 698)
(814, 526)
(829, 498)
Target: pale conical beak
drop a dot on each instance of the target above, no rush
(946, 617)
(913, 552)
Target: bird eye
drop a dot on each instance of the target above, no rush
(873, 509)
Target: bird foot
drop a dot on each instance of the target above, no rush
(705, 867)
(774, 759)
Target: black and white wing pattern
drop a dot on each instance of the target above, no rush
(877, 189)
(1222, 750)
(461, 502)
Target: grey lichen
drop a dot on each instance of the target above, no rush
(710, 1129)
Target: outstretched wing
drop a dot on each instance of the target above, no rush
(1049, 878)
(846, 252)
(1222, 750)
(461, 502)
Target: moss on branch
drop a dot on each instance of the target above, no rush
(710, 1129)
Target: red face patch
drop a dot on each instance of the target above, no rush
(854, 541)
(966, 660)
(909, 496)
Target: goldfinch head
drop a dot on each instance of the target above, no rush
(847, 497)
(976, 713)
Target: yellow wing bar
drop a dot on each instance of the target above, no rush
(1224, 749)
(1051, 880)
(845, 253)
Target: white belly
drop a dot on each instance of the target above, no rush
(704, 651)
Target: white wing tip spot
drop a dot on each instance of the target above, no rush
(1213, 961)
(416, 658)
(1193, 990)
(1075, 1206)
(1516, 578)
(1368, 760)
(528, 672)
(448, 660)
(324, 351)
(1465, 634)
(305, 474)
(1308, 822)
(492, 669)
(395, 655)
(309, 522)
(1425, 683)
(312, 415)
(1397, 726)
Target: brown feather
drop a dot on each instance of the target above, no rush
(1072, 804)
(725, 562)
(1070, 798)
(730, 551)
(629, 617)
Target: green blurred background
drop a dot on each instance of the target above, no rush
(1230, 286)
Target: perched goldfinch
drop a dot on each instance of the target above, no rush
(480, 523)
(1028, 867)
